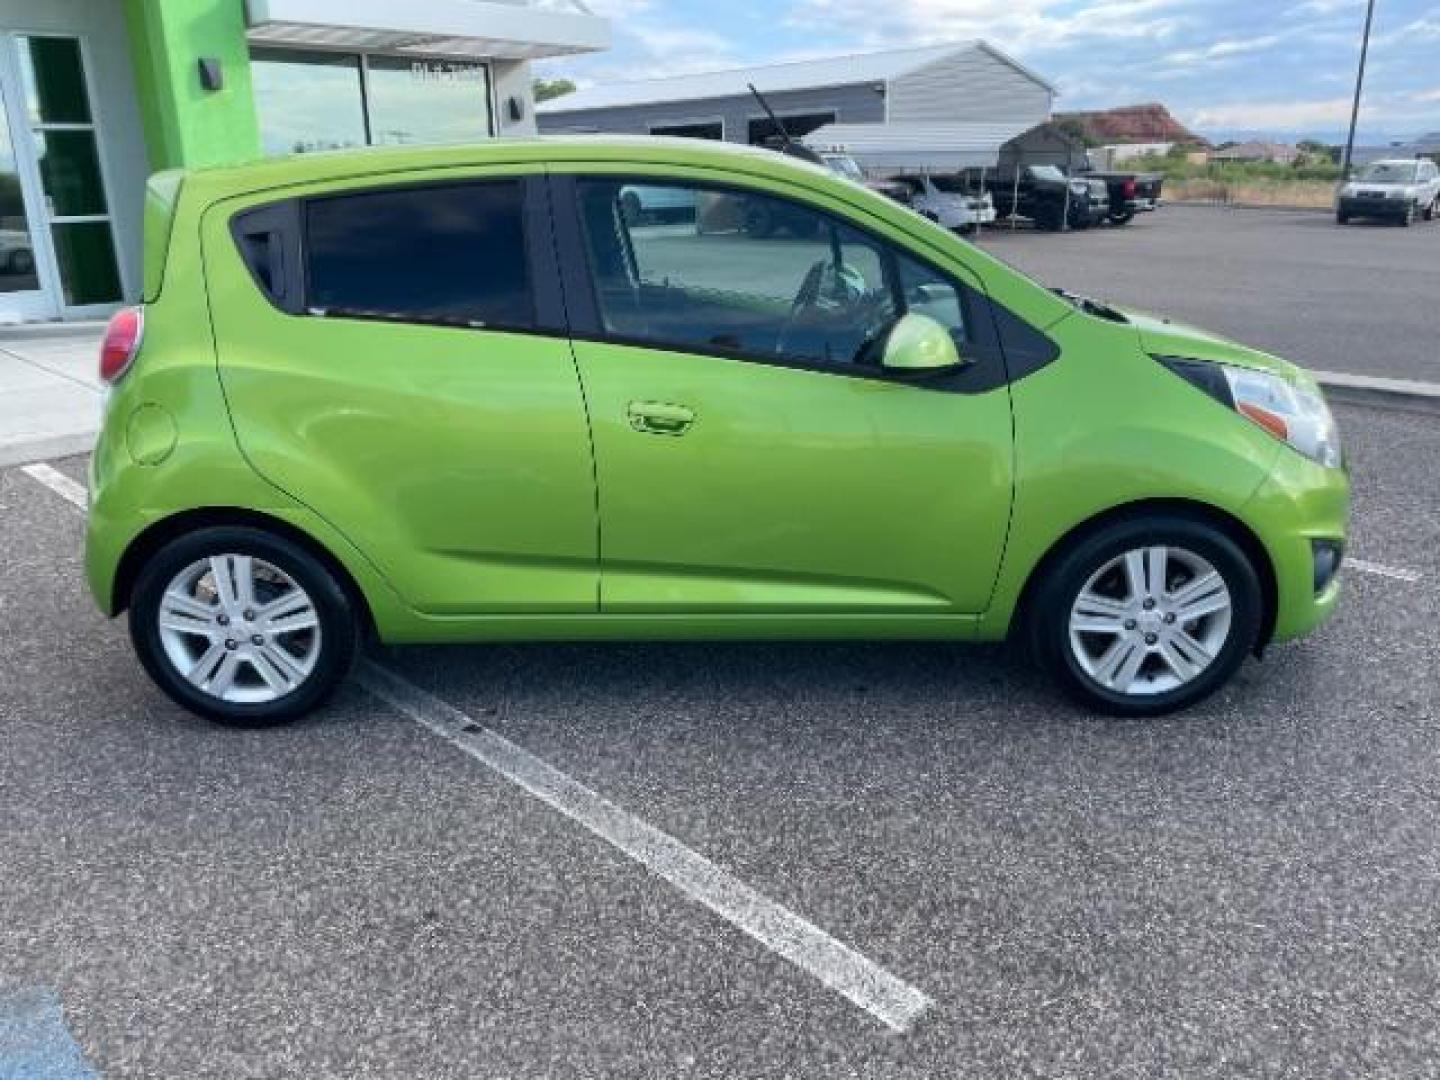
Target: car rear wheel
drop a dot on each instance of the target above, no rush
(1409, 217)
(242, 626)
(1124, 217)
(1432, 209)
(1147, 616)
(1342, 218)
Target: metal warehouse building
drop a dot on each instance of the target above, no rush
(957, 86)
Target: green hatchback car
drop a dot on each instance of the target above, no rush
(468, 394)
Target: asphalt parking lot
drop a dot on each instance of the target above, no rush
(1361, 300)
(1245, 890)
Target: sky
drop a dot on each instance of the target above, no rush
(1227, 68)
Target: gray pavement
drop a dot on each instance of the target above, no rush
(1362, 300)
(1245, 890)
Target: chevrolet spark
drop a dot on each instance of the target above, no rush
(462, 395)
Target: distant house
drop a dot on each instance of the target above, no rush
(956, 103)
(1150, 123)
(1252, 152)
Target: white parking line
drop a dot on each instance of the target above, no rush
(891, 1000)
(1395, 572)
(894, 1002)
(71, 491)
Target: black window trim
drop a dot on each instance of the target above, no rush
(547, 301)
(988, 372)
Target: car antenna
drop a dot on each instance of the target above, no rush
(787, 144)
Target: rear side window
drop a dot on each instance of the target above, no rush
(449, 254)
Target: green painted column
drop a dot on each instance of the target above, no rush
(185, 124)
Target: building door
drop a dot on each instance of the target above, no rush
(57, 249)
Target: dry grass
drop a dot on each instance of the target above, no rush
(1308, 194)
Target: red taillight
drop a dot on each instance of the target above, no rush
(1129, 189)
(122, 342)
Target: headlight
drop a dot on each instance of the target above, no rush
(1295, 413)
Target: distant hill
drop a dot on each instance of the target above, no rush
(1132, 124)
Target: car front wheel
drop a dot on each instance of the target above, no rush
(242, 626)
(1147, 616)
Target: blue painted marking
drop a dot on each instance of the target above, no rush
(35, 1044)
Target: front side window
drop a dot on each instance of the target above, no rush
(738, 272)
(760, 277)
(452, 253)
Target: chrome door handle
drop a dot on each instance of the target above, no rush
(659, 418)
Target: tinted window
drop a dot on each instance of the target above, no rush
(452, 253)
(738, 272)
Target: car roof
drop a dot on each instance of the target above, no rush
(221, 181)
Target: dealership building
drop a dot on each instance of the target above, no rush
(96, 94)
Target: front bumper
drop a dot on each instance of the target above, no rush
(1374, 208)
(1299, 513)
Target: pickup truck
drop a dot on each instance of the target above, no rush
(1130, 193)
(1045, 195)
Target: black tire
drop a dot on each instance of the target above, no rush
(630, 208)
(1432, 209)
(339, 632)
(1048, 612)
(1124, 217)
(1408, 218)
(1342, 219)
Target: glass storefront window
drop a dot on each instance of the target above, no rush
(427, 101)
(87, 262)
(54, 79)
(307, 101)
(70, 172)
(329, 101)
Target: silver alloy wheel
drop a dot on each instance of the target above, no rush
(239, 629)
(1151, 620)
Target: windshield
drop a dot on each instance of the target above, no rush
(1389, 172)
(844, 166)
(1046, 172)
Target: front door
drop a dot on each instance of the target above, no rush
(751, 456)
(57, 251)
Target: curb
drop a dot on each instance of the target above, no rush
(47, 449)
(86, 328)
(1369, 390)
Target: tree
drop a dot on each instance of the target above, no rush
(546, 89)
(1075, 131)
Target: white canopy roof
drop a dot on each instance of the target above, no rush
(507, 29)
(939, 147)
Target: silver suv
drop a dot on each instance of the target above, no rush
(1392, 190)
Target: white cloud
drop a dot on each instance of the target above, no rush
(1259, 115)
(1222, 50)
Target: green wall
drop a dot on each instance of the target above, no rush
(185, 125)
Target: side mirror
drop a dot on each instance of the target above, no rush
(918, 345)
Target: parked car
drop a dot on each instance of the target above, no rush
(1397, 191)
(1129, 193)
(1044, 195)
(452, 395)
(16, 255)
(944, 201)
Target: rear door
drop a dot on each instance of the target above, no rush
(395, 356)
(751, 456)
